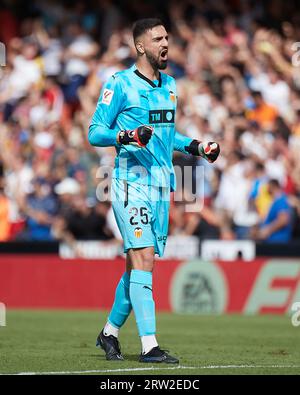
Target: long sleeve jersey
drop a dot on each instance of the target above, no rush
(127, 101)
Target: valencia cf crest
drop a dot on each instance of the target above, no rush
(138, 232)
(172, 96)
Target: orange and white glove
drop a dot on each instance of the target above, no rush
(209, 151)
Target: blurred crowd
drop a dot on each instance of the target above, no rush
(238, 80)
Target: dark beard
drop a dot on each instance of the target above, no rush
(155, 63)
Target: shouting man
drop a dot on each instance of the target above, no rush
(136, 114)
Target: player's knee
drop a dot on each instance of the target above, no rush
(142, 259)
(148, 263)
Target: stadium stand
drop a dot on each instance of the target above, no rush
(238, 81)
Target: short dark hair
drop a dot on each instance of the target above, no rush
(142, 25)
(257, 94)
(259, 166)
(274, 183)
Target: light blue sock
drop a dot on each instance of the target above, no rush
(142, 301)
(122, 305)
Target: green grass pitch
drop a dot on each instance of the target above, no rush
(64, 341)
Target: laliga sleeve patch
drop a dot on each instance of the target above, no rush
(107, 96)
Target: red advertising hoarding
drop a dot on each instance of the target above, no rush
(194, 286)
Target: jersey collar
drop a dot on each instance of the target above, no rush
(139, 74)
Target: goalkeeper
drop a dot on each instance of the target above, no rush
(136, 114)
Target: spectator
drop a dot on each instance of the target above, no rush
(205, 225)
(78, 220)
(259, 197)
(4, 212)
(277, 227)
(264, 114)
(39, 207)
(275, 91)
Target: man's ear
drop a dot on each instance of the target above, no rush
(140, 47)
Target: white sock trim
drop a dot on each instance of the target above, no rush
(109, 329)
(148, 342)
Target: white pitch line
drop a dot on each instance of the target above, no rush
(107, 370)
(162, 368)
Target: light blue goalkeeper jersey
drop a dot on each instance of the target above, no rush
(128, 100)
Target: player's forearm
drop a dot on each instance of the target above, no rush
(209, 151)
(100, 136)
(181, 142)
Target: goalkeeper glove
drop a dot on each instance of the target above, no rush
(139, 137)
(209, 151)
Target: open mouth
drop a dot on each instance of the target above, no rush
(164, 54)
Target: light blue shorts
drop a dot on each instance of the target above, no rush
(142, 214)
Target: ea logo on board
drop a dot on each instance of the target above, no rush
(198, 287)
